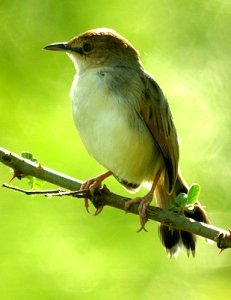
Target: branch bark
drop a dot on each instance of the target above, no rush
(23, 167)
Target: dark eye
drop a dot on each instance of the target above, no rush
(87, 47)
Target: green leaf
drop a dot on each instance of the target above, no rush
(181, 200)
(30, 181)
(34, 183)
(37, 183)
(28, 155)
(193, 193)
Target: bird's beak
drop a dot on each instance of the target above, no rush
(58, 47)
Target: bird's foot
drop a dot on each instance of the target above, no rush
(143, 204)
(92, 185)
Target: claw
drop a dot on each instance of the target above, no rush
(98, 211)
(144, 202)
(86, 205)
(92, 185)
(142, 228)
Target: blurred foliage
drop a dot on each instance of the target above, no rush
(50, 248)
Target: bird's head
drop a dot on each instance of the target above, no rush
(99, 47)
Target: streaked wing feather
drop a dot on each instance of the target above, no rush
(155, 111)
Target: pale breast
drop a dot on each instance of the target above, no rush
(105, 126)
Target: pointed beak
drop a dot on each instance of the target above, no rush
(58, 47)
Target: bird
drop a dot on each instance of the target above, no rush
(125, 122)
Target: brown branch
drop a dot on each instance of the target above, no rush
(23, 167)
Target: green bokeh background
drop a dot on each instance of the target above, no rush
(50, 248)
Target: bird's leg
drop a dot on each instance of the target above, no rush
(93, 184)
(144, 202)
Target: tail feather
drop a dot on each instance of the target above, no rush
(172, 239)
(189, 242)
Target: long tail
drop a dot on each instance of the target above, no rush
(173, 239)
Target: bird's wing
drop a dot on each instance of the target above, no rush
(155, 112)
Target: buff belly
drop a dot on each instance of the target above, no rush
(104, 125)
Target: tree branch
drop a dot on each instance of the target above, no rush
(23, 167)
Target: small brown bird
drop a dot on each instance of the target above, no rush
(125, 122)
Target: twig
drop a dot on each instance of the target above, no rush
(32, 192)
(26, 167)
(105, 197)
(48, 193)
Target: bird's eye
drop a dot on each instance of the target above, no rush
(87, 47)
